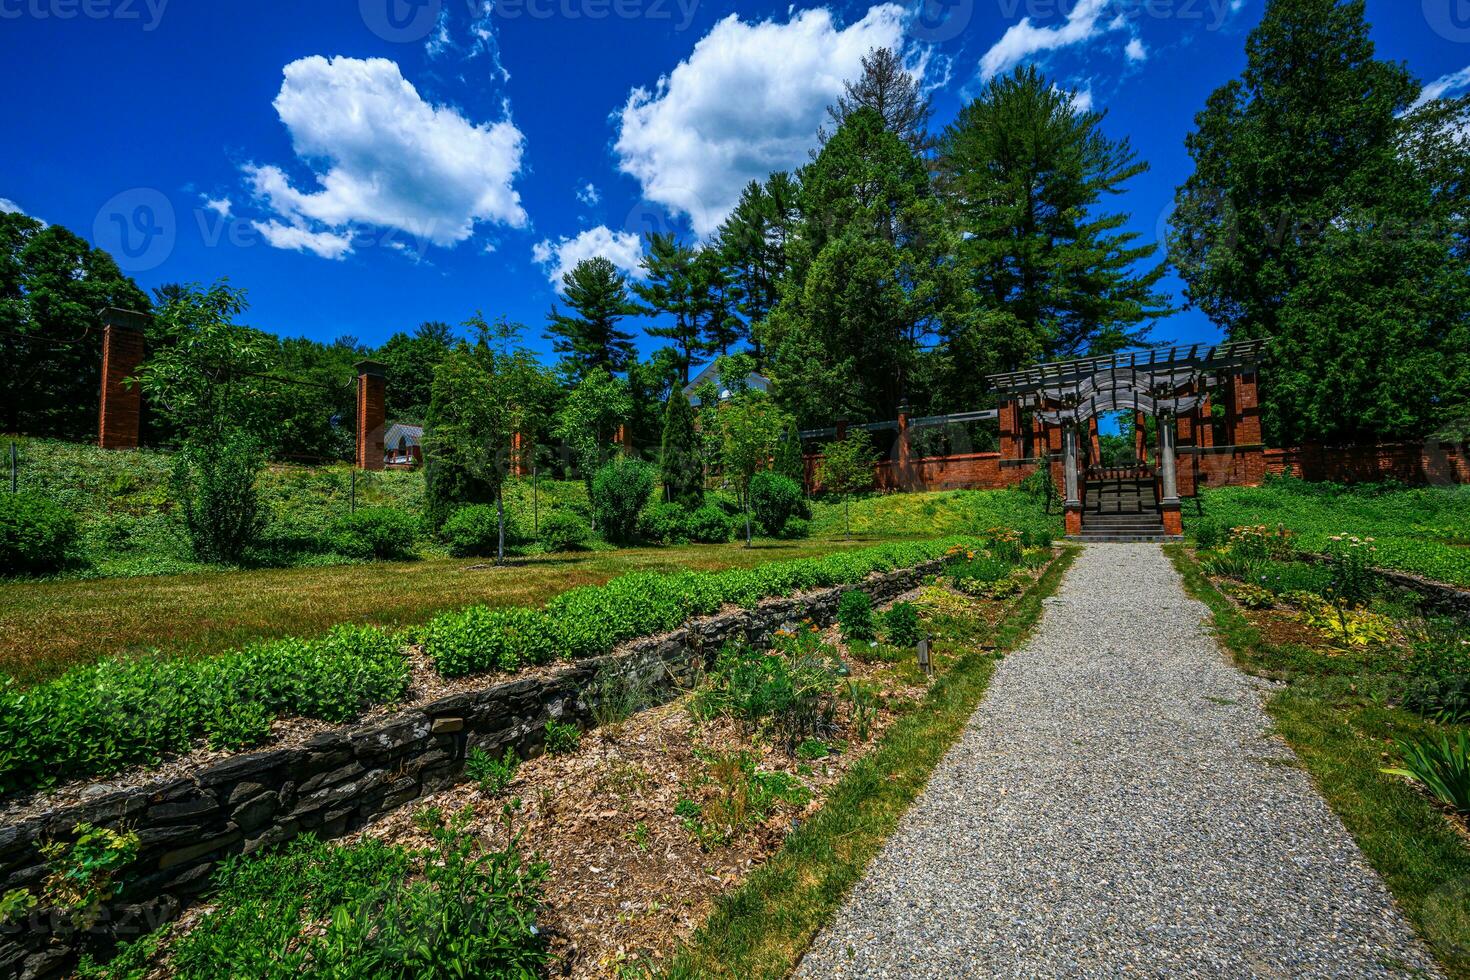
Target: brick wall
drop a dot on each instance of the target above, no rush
(121, 404)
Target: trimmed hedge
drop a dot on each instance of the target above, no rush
(101, 718)
(592, 620)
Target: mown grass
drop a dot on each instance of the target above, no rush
(764, 927)
(46, 627)
(1425, 530)
(942, 512)
(1344, 735)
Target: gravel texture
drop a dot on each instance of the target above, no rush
(1118, 807)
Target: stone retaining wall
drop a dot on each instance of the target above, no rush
(347, 777)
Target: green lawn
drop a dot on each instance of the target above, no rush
(928, 514)
(1423, 530)
(1338, 714)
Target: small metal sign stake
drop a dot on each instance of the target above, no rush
(925, 664)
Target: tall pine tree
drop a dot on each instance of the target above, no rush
(1325, 212)
(598, 296)
(1023, 171)
(673, 287)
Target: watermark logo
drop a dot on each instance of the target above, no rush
(936, 21)
(138, 228)
(1450, 19)
(400, 21)
(147, 12)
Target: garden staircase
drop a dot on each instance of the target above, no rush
(1121, 510)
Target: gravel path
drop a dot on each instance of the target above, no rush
(1117, 807)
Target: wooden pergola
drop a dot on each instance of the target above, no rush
(1168, 383)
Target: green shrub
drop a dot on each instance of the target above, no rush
(473, 532)
(735, 794)
(786, 695)
(1439, 672)
(562, 530)
(813, 749)
(774, 501)
(379, 533)
(238, 725)
(901, 625)
(619, 491)
(855, 617)
(36, 534)
(709, 524)
(1208, 534)
(456, 908)
(1442, 765)
(1036, 537)
(492, 774)
(1282, 577)
(562, 738)
(215, 488)
(103, 717)
(797, 527)
(662, 523)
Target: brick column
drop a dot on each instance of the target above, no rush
(371, 415)
(1094, 441)
(122, 354)
(905, 451)
(1010, 430)
(519, 447)
(1139, 436)
(624, 437)
(1245, 409)
(1205, 424)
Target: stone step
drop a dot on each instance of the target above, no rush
(1098, 538)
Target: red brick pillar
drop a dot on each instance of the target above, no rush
(1094, 441)
(122, 354)
(1245, 409)
(1053, 435)
(905, 451)
(624, 437)
(1205, 424)
(518, 453)
(1140, 446)
(371, 415)
(1010, 430)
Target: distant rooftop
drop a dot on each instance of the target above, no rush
(757, 382)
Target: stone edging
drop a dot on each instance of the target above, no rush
(345, 778)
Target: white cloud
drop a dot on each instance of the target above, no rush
(621, 248)
(383, 156)
(326, 244)
(219, 205)
(1023, 40)
(588, 195)
(1443, 86)
(748, 100)
(1082, 100)
(7, 206)
(1136, 51)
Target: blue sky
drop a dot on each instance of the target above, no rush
(360, 166)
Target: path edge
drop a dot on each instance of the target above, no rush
(764, 927)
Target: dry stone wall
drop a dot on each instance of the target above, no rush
(345, 778)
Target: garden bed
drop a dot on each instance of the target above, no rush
(627, 819)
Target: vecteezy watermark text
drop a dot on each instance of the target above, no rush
(1213, 12)
(148, 12)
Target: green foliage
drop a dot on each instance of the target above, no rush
(775, 500)
(409, 362)
(1004, 544)
(1295, 226)
(493, 775)
(54, 283)
(101, 718)
(456, 908)
(751, 425)
(472, 531)
(847, 468)
(709, 525)
(855, 617)
(796, 527)
(597, 295)
(562, 738)
(563, 530)
(1252, 596)
(36, 534)
(1027, 175)
(681, 465)
(85, 872)
(1442, 765)
(379, 533)
(214, 484)
(735, 794)
(1208, 534)
(812, 749)
(662, 523)
(588, 420)
(901, 625)
(238, 725)
(1353, 580)
(786, 695)
(1414, 530)
(615, 696)
(788, 460)
(862, 706)
(619, 491)
(1439, 672)
(15, 905)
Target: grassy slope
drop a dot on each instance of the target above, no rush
(928, 514)
(1424, 530)
(763, 928)
(1327, 714)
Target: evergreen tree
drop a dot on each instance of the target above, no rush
(1324, 212)
(870, 278)
(597, 293)
(892, 91)
(1023, 171)
(672, 287)
(680, 462)
(409, 361)
(788, 460)
(752, 248)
